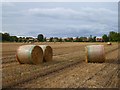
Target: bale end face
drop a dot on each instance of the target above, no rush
(37, 55)
(47, 53)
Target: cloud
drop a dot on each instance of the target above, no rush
(70, 30)
(8, 4)
(82, 15)
(60, 21)
(87, 14)
(53, 12)
(68, 13)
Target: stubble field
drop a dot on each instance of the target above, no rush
(68, 68)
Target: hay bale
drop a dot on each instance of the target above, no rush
(29, 54)
(109, 43)
(47, 52)
(95, 53)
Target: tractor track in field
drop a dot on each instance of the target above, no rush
(112, 77)
(45, 73)
(106, 81)
(72, 66)
(54, 70)
(7, 54)
(61, 72)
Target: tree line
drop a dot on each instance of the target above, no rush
(111, 37)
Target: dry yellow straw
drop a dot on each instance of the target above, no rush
(47, 52)
(95, 53)
(109, 43)
(29, 54)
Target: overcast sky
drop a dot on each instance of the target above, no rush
(59, 19)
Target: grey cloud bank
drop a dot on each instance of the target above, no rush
(59, 19)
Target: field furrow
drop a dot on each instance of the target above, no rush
(67, 70)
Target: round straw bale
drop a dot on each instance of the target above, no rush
(109, 43)
(47, 52)
(29, 54)
(95, 53)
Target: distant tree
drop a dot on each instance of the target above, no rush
(77, 39)
(6, 37)
(40, 38)
(60, 40)
(25, 39)
(51, 39)
(80, 39)
(119, 37)
(94, 39)
(45, 39)
(55, 39)
(0, 37)
(65, 40)
(105, 38)
(20, 39)
(71, 39)
(90, 38)
(13, 39)
(83, 39)
(114, 36)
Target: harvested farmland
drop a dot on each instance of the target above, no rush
(67, 69)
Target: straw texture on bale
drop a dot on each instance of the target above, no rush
(95, 53)
(47, 53)
(29, 54)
